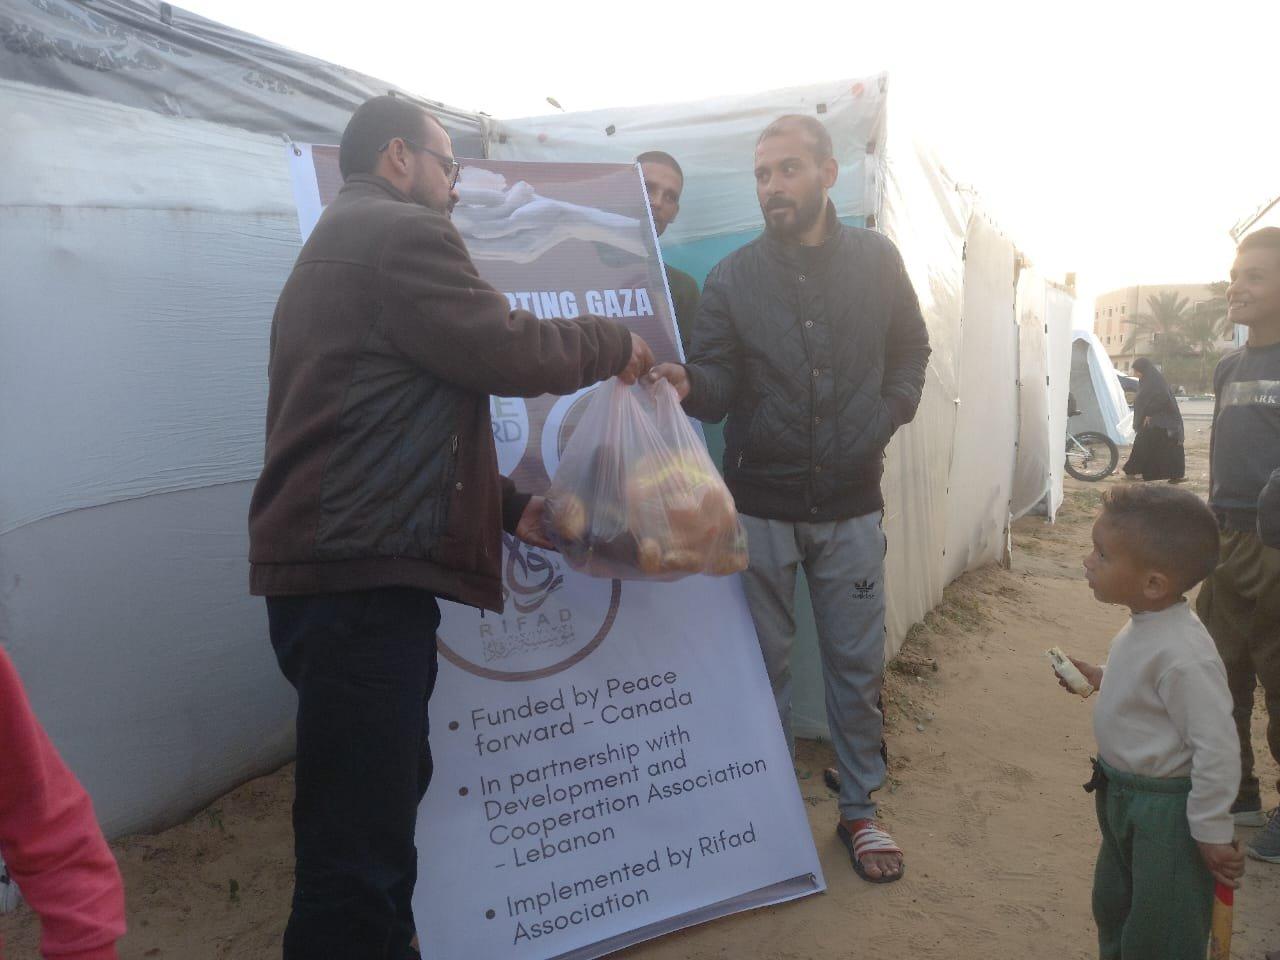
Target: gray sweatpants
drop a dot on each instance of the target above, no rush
(844, 564)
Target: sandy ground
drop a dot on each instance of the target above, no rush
(988, 756)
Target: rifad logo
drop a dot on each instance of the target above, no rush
(864, 589)
(523, 566)
(551, 621)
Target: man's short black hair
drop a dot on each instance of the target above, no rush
(812, 128)
(1268, 238)
(1165, 529)
(661, 156)
(374, 123)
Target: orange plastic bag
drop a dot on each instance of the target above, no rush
(636, 496)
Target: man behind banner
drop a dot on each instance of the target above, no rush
(380, 494)
(810, 338)
(664, 182)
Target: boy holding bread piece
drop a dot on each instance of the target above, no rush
(1168, 761)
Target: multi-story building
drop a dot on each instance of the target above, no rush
(1113, 311)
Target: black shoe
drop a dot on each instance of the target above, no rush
(831, 777)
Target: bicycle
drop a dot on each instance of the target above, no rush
(1091, 456)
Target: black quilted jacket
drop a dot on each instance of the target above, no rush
(817, 355)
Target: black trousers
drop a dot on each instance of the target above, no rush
(364, 665)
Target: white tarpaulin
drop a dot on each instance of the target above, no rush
(1032, 473)
(928, 219)
(142, 256)
(1044, 368)
(1060, 306)
(981, 472)
(120, 326)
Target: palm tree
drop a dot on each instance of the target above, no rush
(1208, 326)
(1165, 321)
(1215, 308)
(1202, 334)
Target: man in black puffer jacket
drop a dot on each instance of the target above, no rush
(810, 339)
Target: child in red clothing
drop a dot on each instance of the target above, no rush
(50, 840)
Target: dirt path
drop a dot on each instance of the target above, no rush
(988, 759)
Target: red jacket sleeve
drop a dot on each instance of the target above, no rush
(50, 839)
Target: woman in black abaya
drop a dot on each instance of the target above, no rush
(1157, 452)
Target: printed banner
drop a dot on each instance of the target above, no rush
(608, 760)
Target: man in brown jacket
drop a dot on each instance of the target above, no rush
(380, 494)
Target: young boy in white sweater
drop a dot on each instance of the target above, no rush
(1168, 757)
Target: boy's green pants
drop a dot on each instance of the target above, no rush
(1152, 894)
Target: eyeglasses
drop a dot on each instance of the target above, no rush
(452, 168)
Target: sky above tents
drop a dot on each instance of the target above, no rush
(1119, 140)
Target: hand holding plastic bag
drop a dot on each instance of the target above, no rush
(636, 496)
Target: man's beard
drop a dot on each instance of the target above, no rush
(807, 213)
(419, 194)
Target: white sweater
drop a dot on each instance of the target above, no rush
(1164, 710)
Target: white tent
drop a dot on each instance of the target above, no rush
(1096, 388)
(147, 226)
